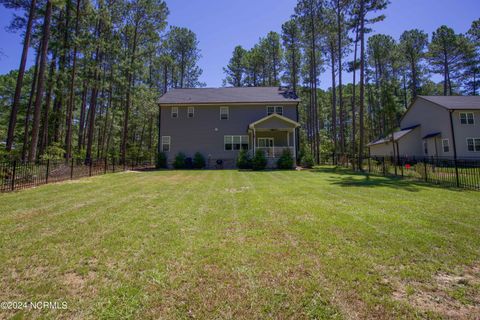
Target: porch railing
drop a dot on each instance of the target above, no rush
(274, 152)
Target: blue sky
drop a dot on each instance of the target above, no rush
(222, 24)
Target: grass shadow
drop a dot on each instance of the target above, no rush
(348, 178)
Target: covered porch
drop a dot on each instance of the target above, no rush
(274, 134)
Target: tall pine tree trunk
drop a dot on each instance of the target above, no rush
(334, 98)
(83, 111)
(362, 85)
(26, 123)
(354, 97)
(71, 98)
(41, 83)
(21, 72)
(340, 87)
(46, 109)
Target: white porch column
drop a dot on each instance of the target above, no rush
(294, 146)
(254, 142)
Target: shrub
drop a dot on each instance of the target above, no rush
(286, 160)
(259, 162)
(53, 152)
(198, 161)
(179, 162)
(307, 160)
(244, 161)
(161, 160)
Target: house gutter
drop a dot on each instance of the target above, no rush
(159, 144)
(454, 146)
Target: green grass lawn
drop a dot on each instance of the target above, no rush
(242, 245)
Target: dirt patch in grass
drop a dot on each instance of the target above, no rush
(237, 190)
(76, 283)
(449, 295)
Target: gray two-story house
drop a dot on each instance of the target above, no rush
(219, 122)
(435, 126)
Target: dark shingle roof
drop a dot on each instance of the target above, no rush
(397, 135)
(228, 95)
(455, 102)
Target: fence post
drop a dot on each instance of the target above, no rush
(90, 167)
(71, 169)
(425, 167)
(105, 169)
(384, 168)
(456, 172)
(402, 163)
(14, 173)
(395, 164)
(48, 171)
(369, 166)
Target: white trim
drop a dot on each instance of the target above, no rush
(473, 140)
(241, 136)
(227, 113)
(174, 110)
(275, 110)
(253, 124)
(192, 111)
(166, 140)
(466, 118)
(445, 145)
(294, 147)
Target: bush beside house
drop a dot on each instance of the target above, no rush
(198, 161)
(161, 161)
(244, 161)
(259, 161)
(286, 160)
(179, 162)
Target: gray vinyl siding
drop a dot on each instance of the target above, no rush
(205, 132)
(433, 118)
(464, 131)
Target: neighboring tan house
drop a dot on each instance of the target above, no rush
(435, 126)
(218, 122)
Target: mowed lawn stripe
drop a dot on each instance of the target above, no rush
(233, 244)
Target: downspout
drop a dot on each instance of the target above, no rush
(297, 135)
(454, 146)
(159, 144)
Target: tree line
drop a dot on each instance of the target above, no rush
(332, 37)
(100, 67)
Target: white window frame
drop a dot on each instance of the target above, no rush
(445, 143)
(466, 115)
(166, 141)
(174, 111)
(474, 140)
(425, 147)
(190, 111)
(265, 144)
(276, 109)
(224, 111)
(243, 139)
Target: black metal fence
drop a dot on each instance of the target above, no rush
(460, 173)
(16, 175)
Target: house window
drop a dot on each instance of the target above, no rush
(166, 143)
(190, 112)
(445, 145)
(265, 142)
(174, 112)
(274, 109)
(235, 142)
(466, 118)
(425, 147)
(473, 144)
(223, 113)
